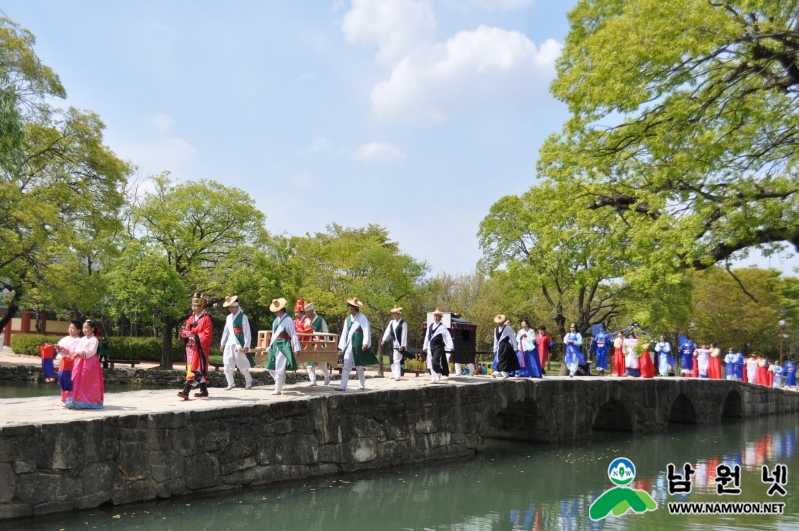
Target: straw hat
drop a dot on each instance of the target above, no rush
(438, 312)
(499, 319)
(232, 300)
(277, 304)
(396, 309)
(354, 302)
(309, 307)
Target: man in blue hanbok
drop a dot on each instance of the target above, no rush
(740, 361)
(790, 374)
(600, 346)
(574, 352)
(687, 357)
(730, 363)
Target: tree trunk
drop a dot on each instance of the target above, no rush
(166, 344)
(10, 311)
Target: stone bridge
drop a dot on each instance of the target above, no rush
(148, 444)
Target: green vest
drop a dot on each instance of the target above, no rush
(317, 323)
(237, 321)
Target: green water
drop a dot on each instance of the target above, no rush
(511, 486)
(16, 389)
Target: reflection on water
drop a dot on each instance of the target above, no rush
(512, 486)
(17, 389)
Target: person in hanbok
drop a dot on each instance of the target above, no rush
(356, 343)
(790, 375)
(618, 355)
(574, 351)
(65, 349)
(197, 335)
(762, 372)
(663, 351)
(319, 325)
(528, 352)
(235, 343)
(304, 328)
(777, 370)
(714, 370)
(645, 364)
(437, 341)
(397, 333)
(282, 346)
(600, 347)
(687, 357)
(702, 359)
(88, 388)
(47, 354)
(740, 365)
(505, 347)
(751, 368)
(632, 366)
(730, 361)
(544, 343)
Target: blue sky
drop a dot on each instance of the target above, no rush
(413, 114)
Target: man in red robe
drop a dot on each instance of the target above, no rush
(197, 335)
(544, 343)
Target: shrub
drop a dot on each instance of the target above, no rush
(28, 344)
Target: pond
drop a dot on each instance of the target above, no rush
(510, 486)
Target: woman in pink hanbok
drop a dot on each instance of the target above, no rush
(87, 374)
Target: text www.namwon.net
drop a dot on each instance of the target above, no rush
(726, 508)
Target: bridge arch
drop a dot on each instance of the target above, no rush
(733, 405)
(521, 420)
(613, 415)
(682, 410)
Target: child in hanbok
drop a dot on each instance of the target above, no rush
(702, 360)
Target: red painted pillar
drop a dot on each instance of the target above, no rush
(25, 328)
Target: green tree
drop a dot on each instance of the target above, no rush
(683, 121)
(575, 261)
(724, 314)
(195, 226)
(356, 262)
(61, 188)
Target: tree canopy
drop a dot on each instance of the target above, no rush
(683, 125)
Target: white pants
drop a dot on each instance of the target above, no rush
(312, 371)
(232, 360)
(349, 362)
(434, 376)
(279, 374)
(573, 368)
(396, 365)
(469, 366)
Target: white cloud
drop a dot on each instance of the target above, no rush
(486, 68)
(398, 27)
(490, 5)
(317, 145)
(161, 122)
(378, 152)
(161, 154)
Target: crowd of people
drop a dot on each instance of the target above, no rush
(521, 354)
